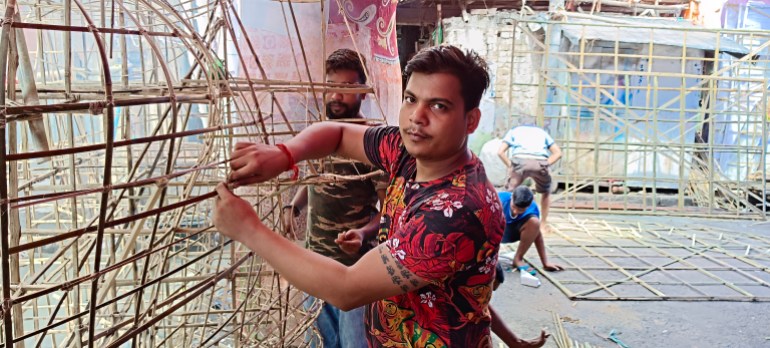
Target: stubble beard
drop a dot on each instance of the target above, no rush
(351, 111)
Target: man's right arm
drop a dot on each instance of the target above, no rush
(252, 163)
(377, 275)
(291, 211)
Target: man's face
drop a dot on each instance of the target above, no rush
(515, 211)
(343, 105)
(432, 120)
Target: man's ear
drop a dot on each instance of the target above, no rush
(472, 119)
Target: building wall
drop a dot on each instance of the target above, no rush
(514, 91)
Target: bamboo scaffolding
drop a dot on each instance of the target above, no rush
(664, 149)
(113, 242)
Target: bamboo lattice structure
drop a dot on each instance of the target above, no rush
(118, 117)
(640, 259)
(674, 113)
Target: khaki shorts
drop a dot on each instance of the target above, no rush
(524, 168)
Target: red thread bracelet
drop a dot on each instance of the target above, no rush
(292, 163)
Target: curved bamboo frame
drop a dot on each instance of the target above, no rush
(101, 208)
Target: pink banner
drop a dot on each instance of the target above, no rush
(376, 16)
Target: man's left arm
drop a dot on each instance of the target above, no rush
(370, 230)
(502, 153)
(509, 338)
(377, 275)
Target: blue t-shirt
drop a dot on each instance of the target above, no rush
(529, 141)
(506, 198)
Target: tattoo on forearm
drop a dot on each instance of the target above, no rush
(383, 257)
(401, 268)
(394, 274)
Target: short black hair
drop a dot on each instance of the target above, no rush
(347, 59)
(468, 67)
(522, 197)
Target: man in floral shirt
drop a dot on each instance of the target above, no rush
(429, 281)
(444, 231)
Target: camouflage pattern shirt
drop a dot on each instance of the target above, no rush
(338, 207)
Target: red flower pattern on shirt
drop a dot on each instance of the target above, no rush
(447, 232)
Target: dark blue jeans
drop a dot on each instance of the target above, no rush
(338, 329)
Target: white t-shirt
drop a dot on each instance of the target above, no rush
(528, 141)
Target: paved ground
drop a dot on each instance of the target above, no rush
(638, 323)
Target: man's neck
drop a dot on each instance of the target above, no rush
(428, 170)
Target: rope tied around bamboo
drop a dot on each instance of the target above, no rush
(162, 182)
(96, 108)
(5, 308)
(6, 20)
(68, 285)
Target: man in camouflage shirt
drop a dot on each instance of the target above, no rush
(338, 211)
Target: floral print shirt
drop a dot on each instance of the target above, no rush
(446, 231)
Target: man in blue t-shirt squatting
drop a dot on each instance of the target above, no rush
(522, 223)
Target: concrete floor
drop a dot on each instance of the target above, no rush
(637, 323)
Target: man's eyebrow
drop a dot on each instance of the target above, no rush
(448, 102)
(441, 100)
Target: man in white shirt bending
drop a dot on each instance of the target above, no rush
(533, 151)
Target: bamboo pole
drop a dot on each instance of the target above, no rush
(260, 119)
(10, 9)
(108, 127)
(28, 87)
(13, 183)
